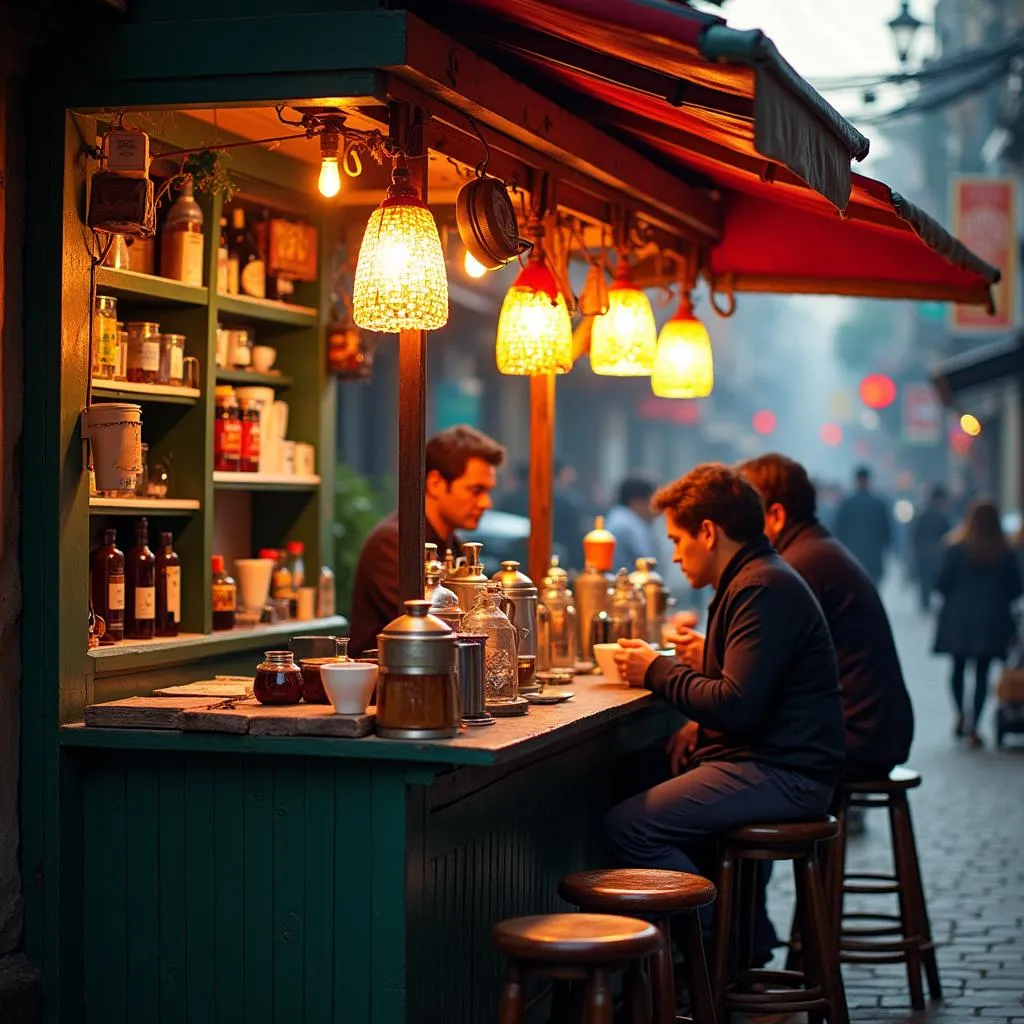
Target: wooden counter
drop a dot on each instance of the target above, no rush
(257, 878)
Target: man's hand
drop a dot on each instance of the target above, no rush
(683, 620)
(633, 660)
(689, 645)
(680, 747)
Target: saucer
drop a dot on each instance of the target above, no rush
(550, 696)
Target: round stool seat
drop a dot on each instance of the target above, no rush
(575, 938)
(786, 833)
(899, 779)
(648, 892)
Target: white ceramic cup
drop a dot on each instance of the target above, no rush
(348, 685)
(288, 458)
(305, 604)
(254, 575)
(305, 459)
(263, 357)
(114, 430)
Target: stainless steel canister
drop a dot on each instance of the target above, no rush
(469, 657)
(591, 594)
(651, 588)
(520, 592)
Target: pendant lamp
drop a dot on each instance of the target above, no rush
(625, 338)
(534, 330)
(683, 365)
(401, 282)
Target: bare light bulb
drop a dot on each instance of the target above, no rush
(330, 177)
(473, 267)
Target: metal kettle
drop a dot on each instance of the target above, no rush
(592, 595)
(520, 606)
(467, 582)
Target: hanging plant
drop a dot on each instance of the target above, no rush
(209, 174)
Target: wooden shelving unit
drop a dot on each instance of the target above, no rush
(124, 390)
(264, 482)
(127, 284)
(144, 506)
(267, 311)
(250, 378)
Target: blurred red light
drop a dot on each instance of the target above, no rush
(877, 391)
(831, 434)
(764, 421)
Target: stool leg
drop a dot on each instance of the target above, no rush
(824, 953)
(598, 1007)
(923, 926)
(835, 874)
(510, 1007)
(909, 923)
(702, 1002)
(663, 987)
(636, 992)
(723, 929)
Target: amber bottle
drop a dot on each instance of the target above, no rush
(140, 587)
(225, 596)
(108, 586)
(168, 587)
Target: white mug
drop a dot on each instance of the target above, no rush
(305, 459)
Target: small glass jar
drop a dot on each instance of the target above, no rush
(104, 338)
(560, 626)
(143, 352)
(240, 349)
(278, 679)
(227, 431)
(122, 353)
(172, 359)
(501, 669)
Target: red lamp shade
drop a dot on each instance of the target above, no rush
(877, 391)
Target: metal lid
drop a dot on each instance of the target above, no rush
(513, 581)
(417, 622)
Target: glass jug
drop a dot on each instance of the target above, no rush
(501, 676)
(560, 627)
(627, 609)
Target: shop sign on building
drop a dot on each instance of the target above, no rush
(985, 220)
(922, 414)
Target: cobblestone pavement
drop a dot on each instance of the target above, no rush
(969, 821)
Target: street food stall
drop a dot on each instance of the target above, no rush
(192, 856)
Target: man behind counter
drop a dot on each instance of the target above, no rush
(461, 471)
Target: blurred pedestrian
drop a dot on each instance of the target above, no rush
(979, 580)
(630, 521)
(571, 512)
(927, 532)
(864, 526)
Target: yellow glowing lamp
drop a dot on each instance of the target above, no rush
(970, 425)
(534, 330)
(684, 365)
(473, 267)
(401, 283)
(624, 339)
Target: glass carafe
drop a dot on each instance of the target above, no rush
(626, 611)
(560, 627)
(501, 675)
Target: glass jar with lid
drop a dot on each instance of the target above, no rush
(501, 670)
(172, 360)
(104, 338)
(278, 679)
(560, 621)
(143, 351)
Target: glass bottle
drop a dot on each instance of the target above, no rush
(143, 352)
(295, 563)
(281, 579)
(122, 353)
(326, 602)
(104, 339)
(626, 621)
(227, 430)
(249, 461)
(140, 587)
(501, 674)
(168, 587)
(278, 679)
(172, 360)
(599, 547)
(222, 259)
(252, 272)
(560, 625)
(181, 246)
(108, 585)
(225, 596)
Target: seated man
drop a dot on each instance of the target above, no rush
(876, 705)
(765, 741)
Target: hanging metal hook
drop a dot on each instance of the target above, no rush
(481, 168)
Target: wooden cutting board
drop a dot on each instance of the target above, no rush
(293, 720)
(223, 687)
(144, 712)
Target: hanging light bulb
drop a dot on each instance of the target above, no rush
(330, 173)
(683, 364)
(401, 282)
(473, 267)
(624, 339)
(534, 330)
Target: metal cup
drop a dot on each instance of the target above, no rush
(469, 659)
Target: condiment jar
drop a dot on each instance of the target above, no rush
(417, 692)
(240, 348)
(143, 351)
(104, 338)
(599, 547)
(227, 430)
(501, 669)
(172, 359)
(278, 679)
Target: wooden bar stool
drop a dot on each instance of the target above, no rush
(887, 938)
(655, 896)
(818, 988)
(578, 947)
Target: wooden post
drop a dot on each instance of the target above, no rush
(412, 405)
(542, 471)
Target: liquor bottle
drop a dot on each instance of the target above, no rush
(252, 273)
(168, 587)
(181, 248)
(223, 259)
(225, 596)
(140, 587)
(108, 585)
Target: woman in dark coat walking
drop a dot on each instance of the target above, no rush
(979, 581)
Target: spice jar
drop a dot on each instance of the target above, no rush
(143, 352)
(501, 668)
(278, 679)
(250, 450)
(104, 338)
(227, 430)
(240, 349)
(172, 359)
(417, 694)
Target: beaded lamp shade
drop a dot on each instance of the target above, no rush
(624, 339)
(534, 331)
(683, 364)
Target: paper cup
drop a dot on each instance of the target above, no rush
(114, 430)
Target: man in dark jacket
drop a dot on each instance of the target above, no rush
(928, 531)
(766, 736)
(876, 705)
(863, 524)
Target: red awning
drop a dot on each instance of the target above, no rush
(726, 112)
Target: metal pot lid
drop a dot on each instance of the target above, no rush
(417, 622)
(486, 220)
(513, 581)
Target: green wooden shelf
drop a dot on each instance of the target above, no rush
(250, 378)
(127, 284)
(144, 506)
(128, 391)
(264, 482)
(267, 311)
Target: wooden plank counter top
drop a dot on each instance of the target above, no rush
(596, 705)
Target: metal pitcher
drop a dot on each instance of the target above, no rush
(469, 581)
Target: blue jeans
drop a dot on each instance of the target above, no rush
(672, 825)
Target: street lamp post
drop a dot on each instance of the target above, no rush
(904, 27)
